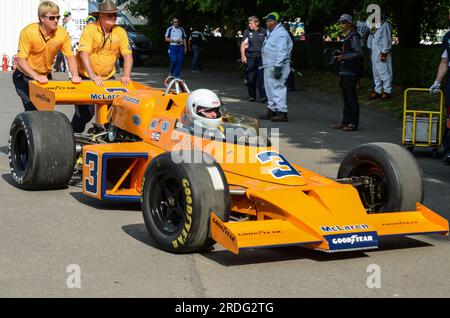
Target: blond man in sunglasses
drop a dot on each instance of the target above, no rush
(101, 44)
(39, 44)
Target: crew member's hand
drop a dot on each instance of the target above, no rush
(76, 79)
(244, 59)
(383, 57)
(41, 79)
(435, 88)
(277, 72)
(98, 81)
(125, 80)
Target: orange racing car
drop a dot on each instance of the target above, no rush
(203, 175)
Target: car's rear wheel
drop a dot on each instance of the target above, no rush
(393, 178)
(177, 202)
(41, 150)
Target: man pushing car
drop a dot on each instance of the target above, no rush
(38, 45)
(101, 44)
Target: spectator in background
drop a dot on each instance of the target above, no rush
(38, 45)
(73, 31)
(196, 41)
(350, 61)
(276, 56)
(443, 72)
(380, 44)
(176, 37)
(251, 46)
(90, 19)
(363, 30)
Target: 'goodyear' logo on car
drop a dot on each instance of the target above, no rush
(43, 98)
(352, 241)
(103, 96)
(224, 230)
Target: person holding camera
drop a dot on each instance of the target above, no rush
(350, 65)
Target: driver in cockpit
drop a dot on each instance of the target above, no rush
(204, 108)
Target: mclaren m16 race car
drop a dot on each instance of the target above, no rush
(198, 184)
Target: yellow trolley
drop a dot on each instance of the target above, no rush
(422, 128)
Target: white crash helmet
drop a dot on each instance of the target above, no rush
(201, 101)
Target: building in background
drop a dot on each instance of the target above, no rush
(17, 14)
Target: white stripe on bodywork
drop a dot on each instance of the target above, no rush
(216, 178)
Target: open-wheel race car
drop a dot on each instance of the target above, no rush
(198, 184)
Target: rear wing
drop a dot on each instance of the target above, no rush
(46, 97)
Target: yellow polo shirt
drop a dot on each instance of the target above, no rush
(40, 51)
(104, 50)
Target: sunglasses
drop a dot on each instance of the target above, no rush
(53, 17)
(111, 15)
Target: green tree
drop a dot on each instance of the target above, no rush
(412, 18)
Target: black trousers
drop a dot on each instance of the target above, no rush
(21, 83)
(84, 113)
(255, 77)
(351, 102)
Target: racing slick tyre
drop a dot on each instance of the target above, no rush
(178, 199)
(41, 151)
(396, 178)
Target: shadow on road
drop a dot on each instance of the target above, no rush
(139, 233)
(9, 179)
(4, 149)
(282, 254)
(105, 205)
(273, 255)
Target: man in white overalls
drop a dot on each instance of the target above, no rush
(276, 55)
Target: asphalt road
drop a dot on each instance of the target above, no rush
(42, 233)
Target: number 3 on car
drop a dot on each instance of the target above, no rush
(284, 170)
(91, 181)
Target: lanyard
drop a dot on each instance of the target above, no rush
(106, 38)
(43, 36)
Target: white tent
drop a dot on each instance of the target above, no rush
(15, 15)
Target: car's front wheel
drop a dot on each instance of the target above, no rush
(177, 202)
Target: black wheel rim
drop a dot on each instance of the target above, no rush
(167, 203)
(19, 151)
(374, 197)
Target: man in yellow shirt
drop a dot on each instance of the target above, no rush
(38, 45)
(101, 44)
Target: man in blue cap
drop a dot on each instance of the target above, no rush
(276, 56)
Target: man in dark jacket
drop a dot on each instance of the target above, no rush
(443, 72)
(251, 46)
(350, 64)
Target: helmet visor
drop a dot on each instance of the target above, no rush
(210, 113)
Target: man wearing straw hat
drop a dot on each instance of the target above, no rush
(101, 44)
